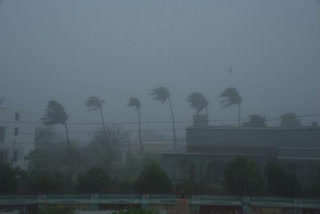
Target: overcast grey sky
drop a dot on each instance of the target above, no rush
(69, 50)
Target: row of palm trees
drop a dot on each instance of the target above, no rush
(55, 113)
(197, 101)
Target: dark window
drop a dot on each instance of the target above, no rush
(16, 131)
(17, 116)
(2, 134)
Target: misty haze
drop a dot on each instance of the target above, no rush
(158, 106)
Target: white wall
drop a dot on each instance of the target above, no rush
(23, 142)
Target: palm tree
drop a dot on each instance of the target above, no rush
(162, 94)
(94, 103)
(198, 102)
(55, 114)
(232, 98)
(135, 102)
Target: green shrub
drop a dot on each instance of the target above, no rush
(133, 211)
(153, 179)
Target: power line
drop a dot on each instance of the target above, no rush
(134, 130)
(276, 131)
(157, 122)
(94, 131)
(298, 116)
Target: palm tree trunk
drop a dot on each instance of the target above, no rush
(239, 114)
(102, 120)
(67, 135)
(207, 112)
(173, 125)
(139, 131)
(103, 124)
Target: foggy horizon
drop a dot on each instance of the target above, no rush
(70, 50)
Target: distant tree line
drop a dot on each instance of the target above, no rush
(144, 175)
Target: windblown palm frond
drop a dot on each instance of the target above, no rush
(197, 101)
(160, 94)
(94, 103)
(232, 97)
(55, 114)
(134, 102)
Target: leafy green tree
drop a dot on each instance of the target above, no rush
(45, 134)
(93, 181)
(316, 184)
(255, 121)
(153, 179)
(114, 135)
(243, 177)
(135, 162)
(133, 211)
(55, 114)
(162, 94)
(135, 102)
(96, 154)
(198, 102)
(187, 185)
(232, 97)
(44, 182)
(8, 180)
(100, 152)
(280, 181)
(56, 209)
(94, 103)
(54, 157)
(290, 120)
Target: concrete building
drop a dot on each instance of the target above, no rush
(157, 146)
(16, 136)
(210, 148)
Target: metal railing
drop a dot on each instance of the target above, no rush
(194, 200)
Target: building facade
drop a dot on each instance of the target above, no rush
(210, 148)
(17, 131)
